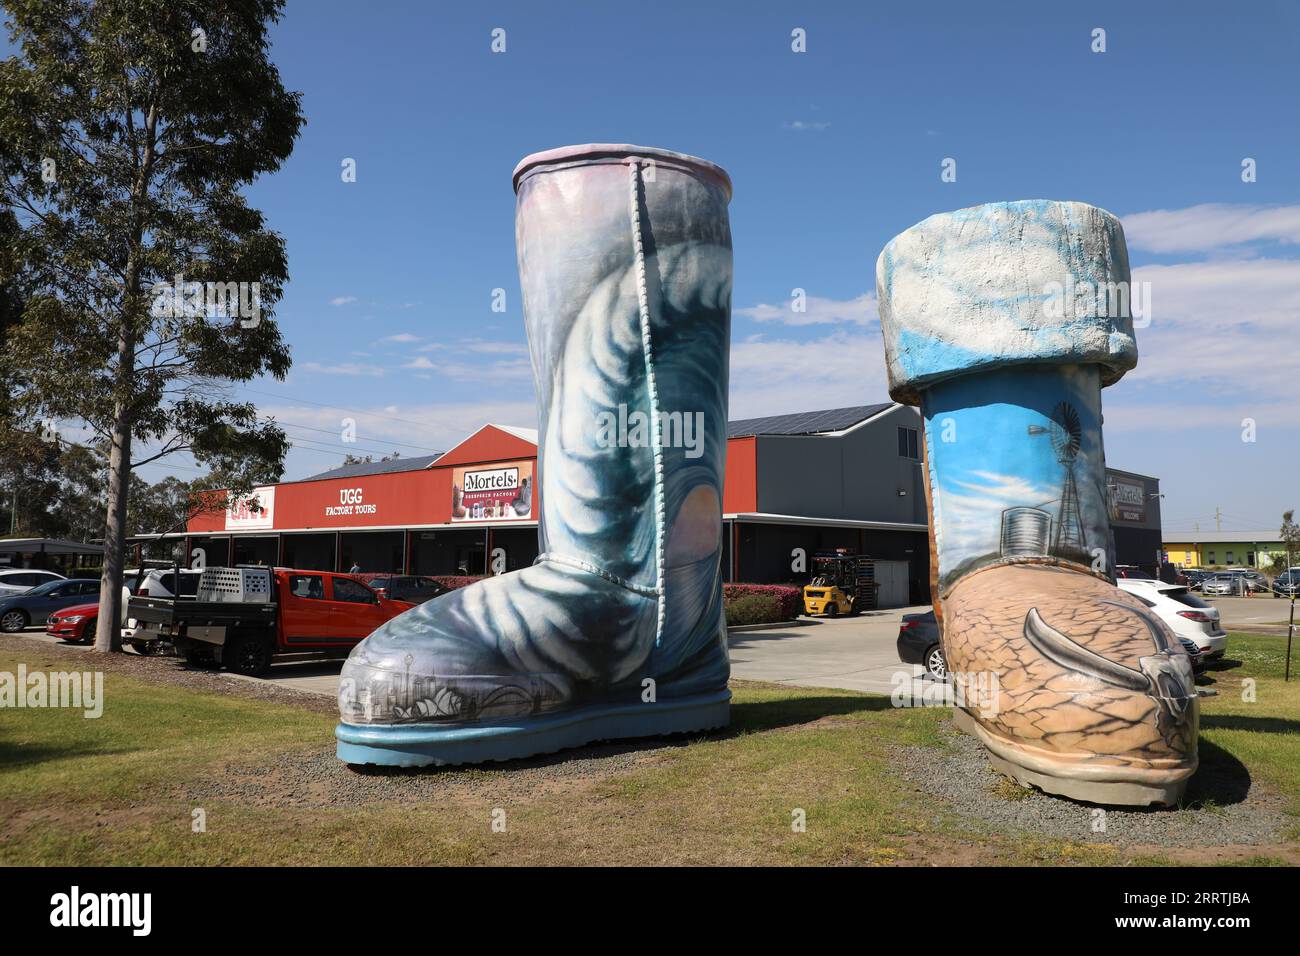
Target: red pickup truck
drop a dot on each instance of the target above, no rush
(305, 612)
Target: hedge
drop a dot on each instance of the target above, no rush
(780, 602)
(787, 602)
(453, 581)
(751, 609)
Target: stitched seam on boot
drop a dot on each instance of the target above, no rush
(656, 433)
(587, 566)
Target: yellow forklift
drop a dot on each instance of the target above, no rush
(842, 583)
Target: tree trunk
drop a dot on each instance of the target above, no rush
(108, 627)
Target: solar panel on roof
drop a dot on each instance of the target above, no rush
(362, 468)
(805, 423)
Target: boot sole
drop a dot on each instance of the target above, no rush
(424, 745)
(1111, 786)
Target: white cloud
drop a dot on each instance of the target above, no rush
(1211, 226)
(1217, 351)
(401, 337)
(1225, 321)
(969, 519)
(420, 429)
(343, 368)
(503, 372)
(818, 311)
(779, 376)
(343, 300)
(490, 347)
(815, 126)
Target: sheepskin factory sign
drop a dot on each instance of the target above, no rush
(501, 492)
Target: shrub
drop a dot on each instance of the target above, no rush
(453, 581)
(752, 609)
(789, 600)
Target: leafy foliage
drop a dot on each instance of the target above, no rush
(128, 130)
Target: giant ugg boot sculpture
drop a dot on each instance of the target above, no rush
(617, 630)
(1003, 323)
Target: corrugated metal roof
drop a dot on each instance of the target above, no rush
(798, 423)
(391, 467)
(806, 423)
(48, 545)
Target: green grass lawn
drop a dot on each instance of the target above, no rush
(119, 790)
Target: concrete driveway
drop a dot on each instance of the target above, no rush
(853, 653)
(1264, 613)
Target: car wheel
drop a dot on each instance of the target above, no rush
(935, 663)
(832, 610)
(13, 621)
(197, 658)
(88, 632)
(248, 655)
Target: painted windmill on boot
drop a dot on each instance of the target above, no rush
(1069, 539)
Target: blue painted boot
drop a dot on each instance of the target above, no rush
(1003, 322)
(617, 630)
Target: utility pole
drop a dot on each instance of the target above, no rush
(1218, 519)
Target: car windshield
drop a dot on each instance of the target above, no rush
(45, 588)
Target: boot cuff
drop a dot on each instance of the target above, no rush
(591, 154)
(1032, 281)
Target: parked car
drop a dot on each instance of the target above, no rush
(19, 611)
(21, 580)
(157, 582)
(1287, 584)
(918, 643)
(1195, 577)
(1185, 613)
(289, 612)
(161, 582)
(413, 588)
(1255, 580)
(1195, 653)
(1221, 583)
(75, 624)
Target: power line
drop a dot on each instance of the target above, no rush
(354, 411)
(331, 431)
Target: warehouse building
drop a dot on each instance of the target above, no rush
(1226, 549)
(845, 478)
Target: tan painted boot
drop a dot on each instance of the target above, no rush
(1003, 322)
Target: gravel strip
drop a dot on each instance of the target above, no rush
(318, 778)
(962, 778)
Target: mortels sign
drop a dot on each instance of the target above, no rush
(351, 502)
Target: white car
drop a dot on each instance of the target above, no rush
(21, 580)
(157, 582)
(1185, 613)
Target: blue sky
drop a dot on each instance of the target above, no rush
(832, 153)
